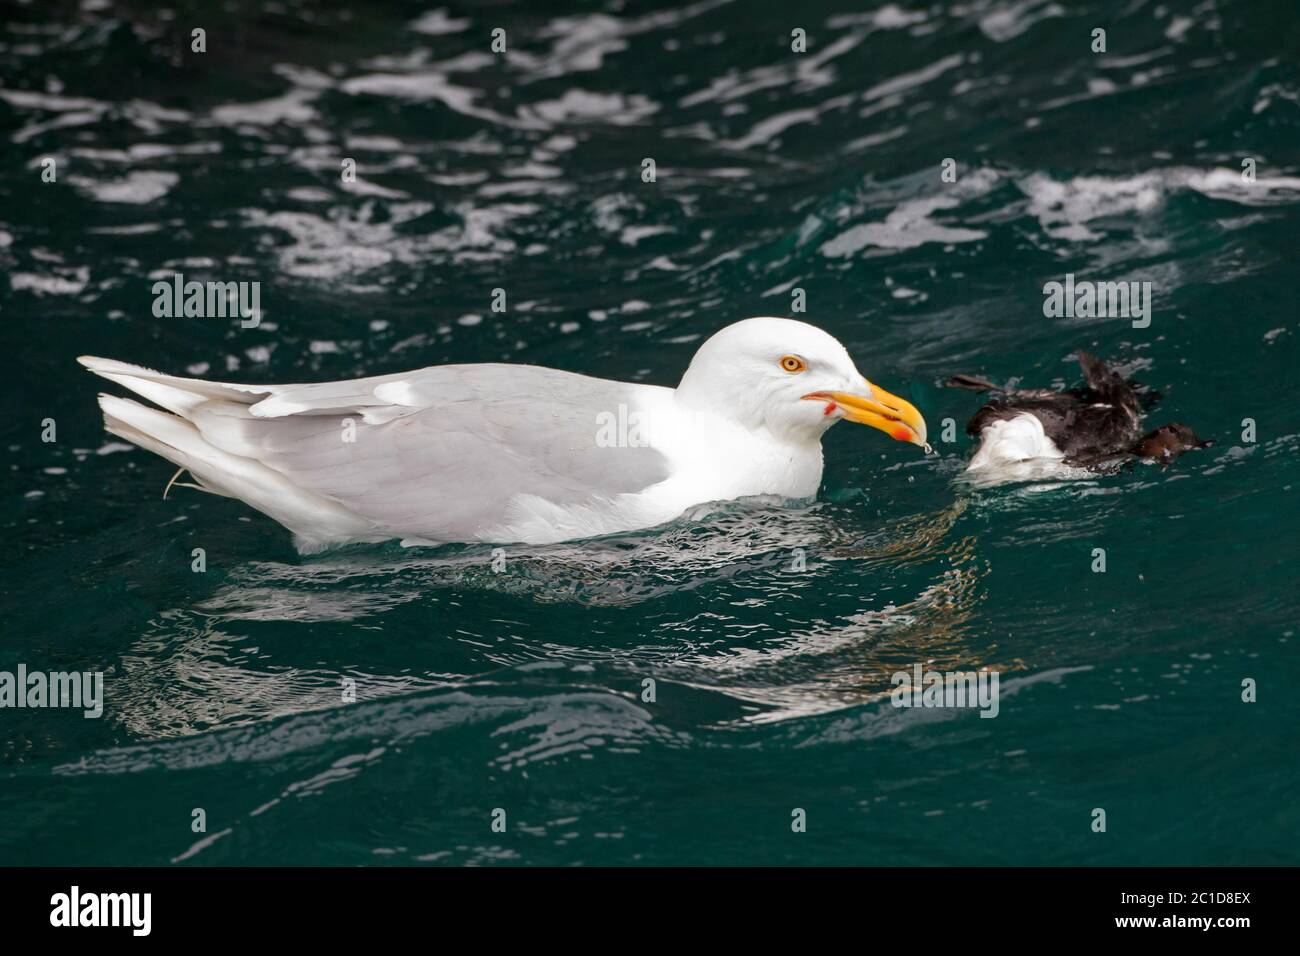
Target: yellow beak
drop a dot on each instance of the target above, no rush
(894, 416)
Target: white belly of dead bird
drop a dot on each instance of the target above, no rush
(1018, 449)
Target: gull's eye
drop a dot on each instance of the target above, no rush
(793, 363)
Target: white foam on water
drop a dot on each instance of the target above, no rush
(1064, 208)
(911, 225)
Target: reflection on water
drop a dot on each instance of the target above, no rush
(195, 670)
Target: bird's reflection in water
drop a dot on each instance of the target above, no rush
(850, 662)
(197, 668)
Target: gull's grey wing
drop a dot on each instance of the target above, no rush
(442, 452)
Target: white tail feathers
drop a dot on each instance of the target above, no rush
(172, 392)
(167, 435)
(317, 521)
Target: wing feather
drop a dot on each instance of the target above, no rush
(445, 452)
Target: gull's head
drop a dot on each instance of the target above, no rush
(793, 379)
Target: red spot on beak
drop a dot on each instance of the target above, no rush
(901, 434)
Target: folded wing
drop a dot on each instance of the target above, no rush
(447, 453)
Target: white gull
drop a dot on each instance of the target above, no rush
(512, 453)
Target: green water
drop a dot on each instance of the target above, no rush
(523, 690)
